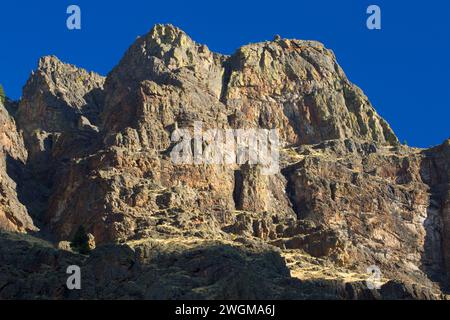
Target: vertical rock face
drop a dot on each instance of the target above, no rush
(13, 155)
(347, 194)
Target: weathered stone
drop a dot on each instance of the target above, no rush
(169, 270)
(13, 155)
(298, 88)
(56, 97)
(64, 245)
(348, 195)
(91, 241)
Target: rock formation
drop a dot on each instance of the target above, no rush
(96, 153)
(13, 156)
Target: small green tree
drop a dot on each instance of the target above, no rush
(2, 95)
(80, 241)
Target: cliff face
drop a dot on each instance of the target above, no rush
(436, 173)
(13, 155)
(347, 196)
(58, 113)
(166, 79)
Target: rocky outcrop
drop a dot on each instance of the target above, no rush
(13, 155)
(159, 270)
(58, 99)
(436, 173)
(299, 88)
(347, 196)
(57, 117)
(166, 80)
(155, 86)
(374, 199)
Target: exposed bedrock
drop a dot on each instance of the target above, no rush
(93, 151)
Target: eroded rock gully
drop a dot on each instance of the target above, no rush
(83, 150)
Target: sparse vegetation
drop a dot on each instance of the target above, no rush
(80, 241)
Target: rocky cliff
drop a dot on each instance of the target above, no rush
(13, 156)
(89, 151)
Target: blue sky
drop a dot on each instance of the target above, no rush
(403, 68)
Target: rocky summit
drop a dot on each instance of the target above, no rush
(83, 152)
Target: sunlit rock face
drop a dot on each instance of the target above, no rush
(13, 155)
(347, 195)
(298, 88)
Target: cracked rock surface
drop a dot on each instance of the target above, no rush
(80, 149)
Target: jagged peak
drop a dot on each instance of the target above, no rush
(52, 64)
(177, 49)
(56, 84)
